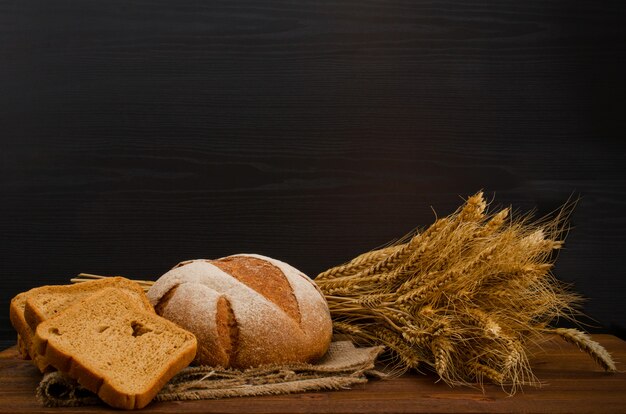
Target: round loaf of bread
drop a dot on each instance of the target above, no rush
(246, 310)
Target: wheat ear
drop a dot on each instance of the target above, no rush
(588, 345)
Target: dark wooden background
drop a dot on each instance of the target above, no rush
(134, 135)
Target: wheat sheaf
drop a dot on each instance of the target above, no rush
(466, 297)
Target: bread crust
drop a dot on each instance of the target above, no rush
(25, 332)
(16, 316)
(194, 307)
(266, 332)
(22, 348)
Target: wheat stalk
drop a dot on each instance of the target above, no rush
(86, 277)
(588, 345)
(481, 371)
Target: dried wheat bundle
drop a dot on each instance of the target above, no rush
(465, 297)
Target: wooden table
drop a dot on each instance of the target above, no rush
(572, 384)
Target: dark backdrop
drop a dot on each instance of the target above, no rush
(137, 134)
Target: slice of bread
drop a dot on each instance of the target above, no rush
(24, 332)
(47, 301)
(21, 347)
(29, 309)
(116, 348)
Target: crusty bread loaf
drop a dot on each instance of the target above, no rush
(245, 310)
(30, 308)
(116, 348)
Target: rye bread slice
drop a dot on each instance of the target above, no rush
(115, 348)
(21, 347)
(47, 301)
(30, 308)
(24, 332)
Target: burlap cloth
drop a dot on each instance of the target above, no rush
(343, 365)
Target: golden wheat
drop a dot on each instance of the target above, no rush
(468, 296)
(481, 371)
(588, 345)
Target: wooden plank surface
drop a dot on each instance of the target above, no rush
(572, 384)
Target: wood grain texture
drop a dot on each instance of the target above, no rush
(572, 384)
(136, 135)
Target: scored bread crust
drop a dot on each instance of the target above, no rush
(265, 333)
(97, 377)
(182, 306)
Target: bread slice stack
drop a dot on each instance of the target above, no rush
(30, 308)
(106, 335)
